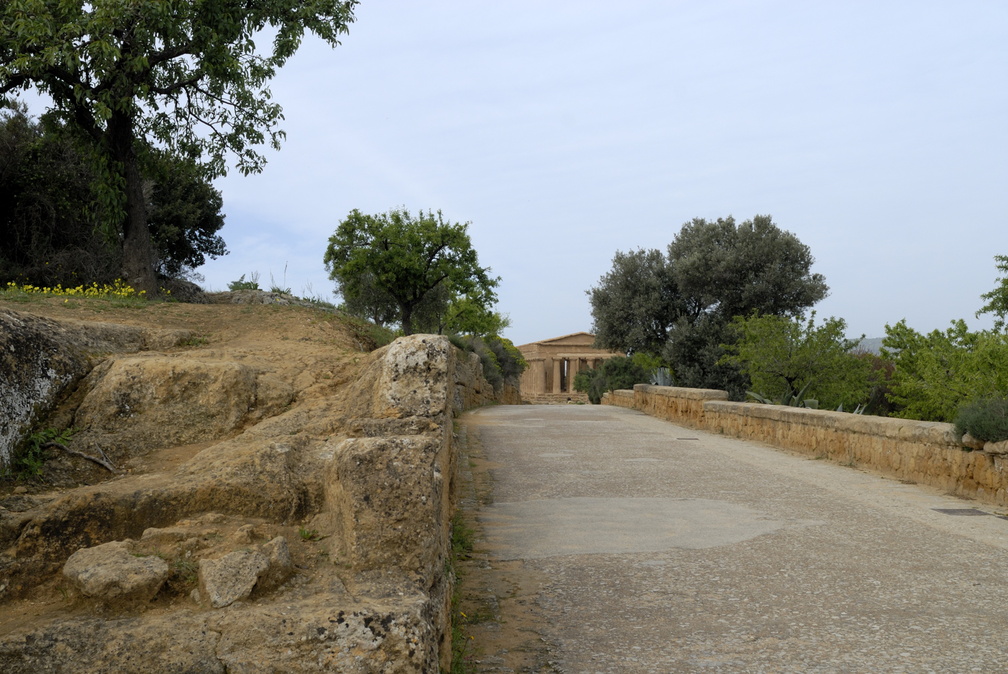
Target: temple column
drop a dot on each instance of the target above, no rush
(557, 378)
(572, 370)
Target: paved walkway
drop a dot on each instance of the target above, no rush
(664, 549)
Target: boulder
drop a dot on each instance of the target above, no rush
(234, 576)
(158, 401)
(36, 367)
(111, 572)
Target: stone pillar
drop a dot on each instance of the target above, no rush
(575, 365)
(534, 378)
(557, 362)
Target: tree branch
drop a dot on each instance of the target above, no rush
(103, 461)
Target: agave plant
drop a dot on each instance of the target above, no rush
(661, 376)
(789, 399)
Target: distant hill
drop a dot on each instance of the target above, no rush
(871, 344)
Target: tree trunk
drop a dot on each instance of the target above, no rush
(407, 320)
(138, 250)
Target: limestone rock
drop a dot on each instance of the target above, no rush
(234, 576)
(281, 566)
(111, 572)
(996, 447)
(35, 368)
(388, 493)
(971, 442)
(158, 401)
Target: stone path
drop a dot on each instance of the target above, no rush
(634, 545)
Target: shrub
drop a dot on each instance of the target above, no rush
(501, 360)
(985, 419)
(615, 373)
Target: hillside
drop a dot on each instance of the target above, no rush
(278, 491)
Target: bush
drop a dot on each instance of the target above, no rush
(501, 360)
(615, 373)
(985, 419)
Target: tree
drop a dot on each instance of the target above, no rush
(636, 303)
(727, 270)
(410, 260)
(997, 299)
(783, 356)
(473, 315)
(185, 75)
(619, 372)
(49, 211)
(680, 305)
(937, 373)
(184, 214)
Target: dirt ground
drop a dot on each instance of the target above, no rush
(501, 623)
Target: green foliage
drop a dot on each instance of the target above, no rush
(419, 265)
(50, 210)
(619, 372)
(935, 374)
(186, 75)
(473, 315)
(985, 419)
(501, 361)
(184, 214)
(793, 359)
(789, 399)
(636, 303)
(679, 305)
(997, 299)
(242, 284)
(309, 535)
(27, 463)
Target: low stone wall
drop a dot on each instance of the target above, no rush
(555, 398)
(919, 451)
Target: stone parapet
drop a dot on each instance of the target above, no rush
(682, 405)
(915, 451)
(555, 398)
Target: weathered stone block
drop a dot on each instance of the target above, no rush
(111, 572)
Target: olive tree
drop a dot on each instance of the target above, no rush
(679, 305)
(186, 75)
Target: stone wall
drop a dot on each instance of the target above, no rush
(917, 451)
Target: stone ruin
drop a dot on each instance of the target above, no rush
(305, 528)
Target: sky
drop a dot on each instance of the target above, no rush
(564, 131)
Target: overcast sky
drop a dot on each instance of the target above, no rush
(563, 131)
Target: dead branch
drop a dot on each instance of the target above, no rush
(103, 461)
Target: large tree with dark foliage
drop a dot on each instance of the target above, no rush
(680, 304)
(50, 211)
(185, 75)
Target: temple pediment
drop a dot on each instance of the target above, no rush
(553, 363)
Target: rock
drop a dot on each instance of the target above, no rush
(157, 401)
(234, 576)
(280, 564)
(996, 447)
(972, 442)
(111, 572)
(36, 366)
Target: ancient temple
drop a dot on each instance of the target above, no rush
(553, 363)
